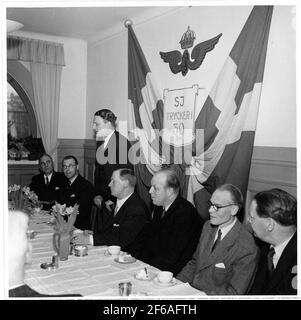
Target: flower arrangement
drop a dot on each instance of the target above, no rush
(22, 198)
(64, 217)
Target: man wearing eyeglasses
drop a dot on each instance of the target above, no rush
(77, 190)
(225, 260)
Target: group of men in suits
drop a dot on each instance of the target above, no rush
(67, 188)
(220, 258)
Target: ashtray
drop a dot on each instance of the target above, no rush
(48, 266)
(80, 250)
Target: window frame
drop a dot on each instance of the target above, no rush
(27, 103)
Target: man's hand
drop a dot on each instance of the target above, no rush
(81, 238)
(98, 201)
(109, 205)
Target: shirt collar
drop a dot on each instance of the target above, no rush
(227, 228)
(108, 137)
(72, 179)
(120, 202)
(280, 247)
(49, 176)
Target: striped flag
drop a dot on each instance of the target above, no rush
(229, 114)
(145, 115)
(227, 119)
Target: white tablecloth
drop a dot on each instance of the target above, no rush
(94, 275)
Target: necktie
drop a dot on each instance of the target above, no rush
(218, 240)
(47, 181)
(270, 261)
(116, 209)
(163, 213)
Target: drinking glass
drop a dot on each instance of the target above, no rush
(125, 288)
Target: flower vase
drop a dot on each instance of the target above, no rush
(61, 244)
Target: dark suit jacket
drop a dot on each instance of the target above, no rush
(25, 291)
(281, 281)
(172, 239)
(80, 192)
(237, 251)
(113, 157)
(126, 228)
(51, 192)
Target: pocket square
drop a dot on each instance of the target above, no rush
(57, 188)
(220, 265)
(116, 225)
(72, 196)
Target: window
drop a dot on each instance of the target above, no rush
(21, 124)
(21, 121)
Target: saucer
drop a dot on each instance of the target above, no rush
(128, 259)
(168, 284)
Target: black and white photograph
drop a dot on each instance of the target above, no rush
(149, 151)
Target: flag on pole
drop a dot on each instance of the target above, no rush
(145, 115)
(227, 119)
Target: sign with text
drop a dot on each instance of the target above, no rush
(179, 109)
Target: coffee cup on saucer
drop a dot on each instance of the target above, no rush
(165, 276)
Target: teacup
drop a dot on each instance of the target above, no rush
(114, 250)
(165, 276)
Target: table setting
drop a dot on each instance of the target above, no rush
(94, 272)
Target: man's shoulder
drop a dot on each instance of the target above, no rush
(83, 181)
(181, 204)
(244, 237)
(136, 200)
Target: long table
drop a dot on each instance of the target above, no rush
(93, 276)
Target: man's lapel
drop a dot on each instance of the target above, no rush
(287, 254)
(121, 212)
(221, 250)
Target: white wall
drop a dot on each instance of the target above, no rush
(107, 65)
(72, 116)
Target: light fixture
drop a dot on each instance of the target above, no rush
(13, 25)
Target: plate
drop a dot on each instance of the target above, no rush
(168, 284)
(129, 259)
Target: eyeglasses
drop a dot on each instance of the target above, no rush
(70, 166)
(216, 207)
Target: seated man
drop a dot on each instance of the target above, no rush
(225, 260)
(273, 217)
(77, 190)
(18, 250)
(48, 183)
(175, 227)
(125, 227)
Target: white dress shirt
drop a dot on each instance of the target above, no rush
(120, 202)
(72, 179)
(49, 177)
(108, 137)
(225, 229)
(279, 249)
